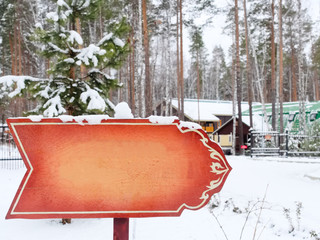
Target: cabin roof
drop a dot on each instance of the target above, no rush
(210, 110)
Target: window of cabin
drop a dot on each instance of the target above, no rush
(230, 138)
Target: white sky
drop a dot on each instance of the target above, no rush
(213, 36)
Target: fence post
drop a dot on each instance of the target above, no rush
(2, 129)
(287, 143)
(251, 141)
(279, 143)
(2, 134)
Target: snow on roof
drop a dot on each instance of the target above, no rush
(258, 122)
(209, 109)
(191, 110)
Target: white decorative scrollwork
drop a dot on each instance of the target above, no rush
(218, 166)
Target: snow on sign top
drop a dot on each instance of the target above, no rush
(122, 111)
(132, 167)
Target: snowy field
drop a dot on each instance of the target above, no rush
(263, 198)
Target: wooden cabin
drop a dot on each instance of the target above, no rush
(224, 135)
(210, 114)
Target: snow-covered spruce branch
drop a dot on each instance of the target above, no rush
(14, 85)
(53, 98)
(95, 101)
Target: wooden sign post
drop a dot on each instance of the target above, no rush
(117, 169)
(121, 229)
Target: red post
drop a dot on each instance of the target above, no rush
(121, 229)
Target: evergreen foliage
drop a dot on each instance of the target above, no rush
(79, 83)
(197, 43)
(81, 74)
(7, 15)
(198, 62)
(313, 143)
(316, 55)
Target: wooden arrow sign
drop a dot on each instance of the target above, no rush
(118, 168)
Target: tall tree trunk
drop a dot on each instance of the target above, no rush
(3, 59)
(301, 81)
(168, 56)
(139, 67)
(128, 72)
(178, 64)
(73, 76)
(19, 48)
(11, 43)
(293, 76)
(15, 44)
(234, 99)
(19, 35)
(132, 75)
(316, 86)
(238, 79)
(78, 30)
(217, 77)
(198, 86)
(148, 87)
(181, 63)
(25, 64)
(273, 72)
(280, 66)
(248, 64)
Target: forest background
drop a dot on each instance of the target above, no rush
(274, 54)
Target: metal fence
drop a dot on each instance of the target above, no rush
(270, 143)
(9, 155)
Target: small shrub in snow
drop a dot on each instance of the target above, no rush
(314, 235)
(287, 213)
(257, 216)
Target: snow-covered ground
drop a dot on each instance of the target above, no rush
(279, 197)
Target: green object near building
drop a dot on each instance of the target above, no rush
(291, 119)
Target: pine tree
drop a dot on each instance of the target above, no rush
(78, 79)
(148, 87)
(196, 50)
(18, 19)
(316, 67)
(248, 63)
(7, 25)
(238, 77)
(280, 67)
(273, 69)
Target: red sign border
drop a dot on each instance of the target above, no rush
(213, 187)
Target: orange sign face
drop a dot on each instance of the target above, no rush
(118, 168)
